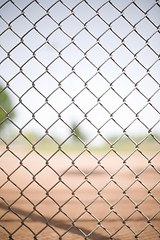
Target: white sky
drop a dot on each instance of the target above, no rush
(79, 71)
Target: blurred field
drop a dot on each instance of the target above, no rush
(101, 192)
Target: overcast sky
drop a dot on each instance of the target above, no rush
(96, 64)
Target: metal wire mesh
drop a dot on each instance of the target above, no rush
(95, 63)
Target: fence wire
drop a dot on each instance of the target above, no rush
(80, 119)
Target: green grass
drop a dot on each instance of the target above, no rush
(124, 144)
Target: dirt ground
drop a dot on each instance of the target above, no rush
(76, 196)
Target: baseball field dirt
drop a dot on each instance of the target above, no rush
(79, 195)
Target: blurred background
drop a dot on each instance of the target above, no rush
(90, 68)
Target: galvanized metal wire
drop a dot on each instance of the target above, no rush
(85, 39)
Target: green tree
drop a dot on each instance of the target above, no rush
(5, 107)
(77, 132)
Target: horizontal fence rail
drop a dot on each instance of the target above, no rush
(80, 119)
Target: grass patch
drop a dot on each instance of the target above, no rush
(124, 144)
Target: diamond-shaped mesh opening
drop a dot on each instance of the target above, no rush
(99, 177)
(58, 40)
(149, 111)
(59, 11)
(113, 12)
(88, 70)
(143, 220)
(46, 54)
(18, 207)
(109, 41)
(144, 84)
(82, 189)
(42, 114)
(8, 64)
(111, 162)
(76, 83)
(98, 55)
(26, 147)
(125, 27)
(47, 25)
(16, 26)
(33, 69)
(151, 145)
(86, 217)
(80, 119)
(55, 193)
(98, 85)
(61, 224)
(130, 40)
(108, 195)
(133, 14)
(7, 195)
(111, 217)
(69, 208)
(125, 230)
(84, 40)
(9, 6)
(122, 56)
(79, 100)
(8, 159)
(135, 71)
(102, 113)
(153, 210)
(86, 162)
(25, 82)
(137, 156)
(29, 133)
(152, 57)
(142, 25)
(102, 212)
(12, 217)
(81, 9)
(124, 116)
(45, 211)
(120, 207)
(72, 54)
(29, 40)
(60, 162)
(22, 228)
(8, 45)
(96, 32)
(67, 178)
(20, 59)
(150, 230)
(56, 69)
(110, 69)
(75, 26)
(21, 173)
(36, 9)
(45, 177)
(141, 192)
(57, 135)
(128, 178)
(34, 162)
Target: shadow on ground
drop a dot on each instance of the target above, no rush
(54, 223)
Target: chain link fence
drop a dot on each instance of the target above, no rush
(80, 119)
